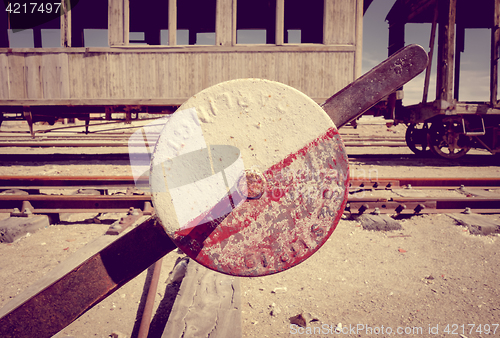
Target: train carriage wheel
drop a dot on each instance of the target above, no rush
(416, 138)
(446, 140)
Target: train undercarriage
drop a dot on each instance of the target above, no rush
(453, 136)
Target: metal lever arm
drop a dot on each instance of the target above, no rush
(82, 281)
(365, 92)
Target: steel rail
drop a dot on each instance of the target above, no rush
(121, 144)
(14, 181)
(48, 204)
(52, 204)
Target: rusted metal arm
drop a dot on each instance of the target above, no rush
(82, 281)
(365, 92)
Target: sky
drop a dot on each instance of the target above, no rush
(474, 65)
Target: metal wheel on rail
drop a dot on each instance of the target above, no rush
(446, 138)
(416, 138)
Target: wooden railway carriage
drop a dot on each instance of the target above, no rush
(159, 53)
(447, 126)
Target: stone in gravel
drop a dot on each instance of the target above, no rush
(279, 290)
(117, 334)
(303, 318)
(298, 320)
(275, 310)
(379, 222)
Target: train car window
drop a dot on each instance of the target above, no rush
(150, 18)
(51, 38)
(197, 17)
(251, 36)
(89, 24)
(293, 36)
(205, 38)
(95, 37)
(21, 39)
(256, 22)
(136, 38)
(304, 21)
(182, 37)
(164, 36)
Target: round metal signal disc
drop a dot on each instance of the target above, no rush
(249, 177)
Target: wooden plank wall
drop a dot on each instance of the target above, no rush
(172, 75)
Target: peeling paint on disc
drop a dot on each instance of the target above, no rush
(249, 177)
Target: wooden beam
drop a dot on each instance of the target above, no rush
(495, 45)
(234, 29)
(446, 50)
(66, 23)
(4, 104)
(224, 23)
(328, 14)
(115, 22)
(185, 49)
(280, 21)
(126, 21)
(358, 58)
(172, 22)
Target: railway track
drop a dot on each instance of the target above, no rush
(52, 195)
(119, 140)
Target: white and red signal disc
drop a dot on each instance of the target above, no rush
(249, 177)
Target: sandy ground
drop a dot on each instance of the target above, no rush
(430, 279)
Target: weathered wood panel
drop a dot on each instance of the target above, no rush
(54, 76)
(132, 77)
(4, 76)
(34, 84)
(163, 82)
(76, 67)
(117, 75)
(96, 75)
(282, 68)
(168, 75)
(17, 77)
(147, 74)
(49, 78)
(339, 22)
